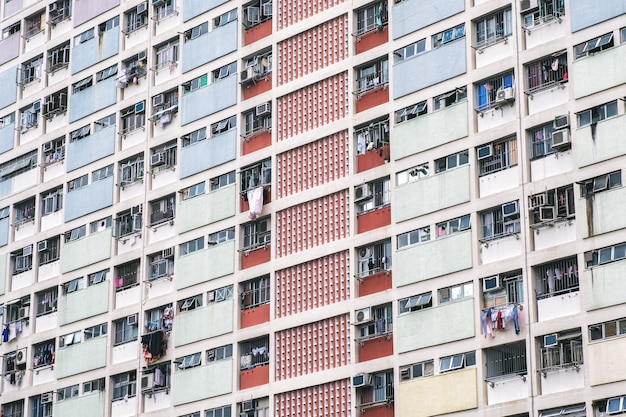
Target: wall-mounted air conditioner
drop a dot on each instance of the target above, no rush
(361, 380)
(362, 192)
(560, 138)
(484, 151)
(537, 200)
(157, 159)
(20, 356)
(550, 340)
(363, 316)
(42, 246)
(491, 283)
(546, 213)
(510, 209)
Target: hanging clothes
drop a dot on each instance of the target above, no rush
(255, 200)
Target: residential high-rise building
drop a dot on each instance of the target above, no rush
(312, 208)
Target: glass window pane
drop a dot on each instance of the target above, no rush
(457, 361)
(470, 359)
(445, 363)
(605, 255)
(610, 329)
(619, 251)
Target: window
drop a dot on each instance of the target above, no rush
(224, 411)
(70, 339)
(60, 10)
(126, 275)
(97, 277)
(379, 389)
(195, 84)
(43, 353)
(162, 210)
(453, 226)
(24, 212)
(53, 152)
(49, 250)
(133, 118)
(462, 360)
(256, 234)
(41, 405)
(160, 318)
(605, 255)
(161, 264)
(14, 409)
(495, 92)
(449, 35)
(106, 73)
(7, 120)
(17, 310)
(371, 17)
(372, 136)
(132, 169)
(81, 85)
(191, 246)
(163, 157)
(156, 377)
(136, 18)
(30, 71)
(219, 353)
(164, 9)
(560, 350)
(417, 370)
(372, 75)
(222, 236)
(224, 125)
(189, 361)
(414, 237)
(254, 352)
(600, 183)
(256, 175)
(29, 116)
(456, 292)
(500, 221)
(225, 18)
(412, 174)
(102, 173)
(193, 191)
(552, 205)
(411, 112)
(497, 156)
(570, 411)
(503, 289)
(593, 46)
(608, 329)
(493, 28)
(11, 30)
(33, 25)
(541, 141)
(256, 67)
(220, 294)
(67, 393)
(197, 31)
(452, 97)
(59, 57)
(451, 161)
(81, 133)
(93, 386)
(124, 385)
(167, 54)
(99, 225)
(409, 51)
(128, 222)
(557, 277)
(47, 301)
(374, 195)
(374, 258)
(547, 72)
(96, 331)
(506, 360)
(222, 181)
(416, 302)
(108, 25)
(190, 303)
(256, 12)
(258, 119)
(133, 68)
(126, 330)
(224, 71)
(22, 260)
(597, 114)
(76, 284)
(194, 137)
(75, 233)
(255, 292)
(164, 105)
(380, 323)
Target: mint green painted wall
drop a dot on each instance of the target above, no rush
(82, 357)
(91, 405)
(585, 71)
(86, 251)
(605, 206)
(84, 303)
(429, 131)
(203, 382)
(432, 193)
(433, 259)
(202, 323)
(205, 265)
(608, 144)
(604, 285)
(206, 209)
(435, 326)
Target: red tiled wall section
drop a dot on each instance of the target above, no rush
(294, 11)
(327, 400)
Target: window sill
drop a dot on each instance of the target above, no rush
(545, 87)
(545, 371)
(550, 223)
(487, 241)
(387, 335)
(38, 369)
(480, 47)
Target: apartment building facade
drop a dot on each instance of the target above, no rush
(395, 208)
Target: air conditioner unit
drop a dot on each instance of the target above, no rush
(405, 373)
(131, 320)
(22, 313)
(247, 406)
(157, 159)
(560, 138)
(510, 209)
(46, 398)
(248, 74)
(168, 252)
(48, 146)
(143, 55)
(484, 151)
(262, 109)
(362, 380)
(28, 250)
(20, 357)
(561, 122)
(363, 315)
(42, 246)
(364, 252)
(158, 100)
(509, 93)
(140, 107)
(546, 213)
(537, 200)
(362, 192)
(147, 381)
(550, 340)
(142, 7)
(36, 106)
(491, 283)
(135, 210)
